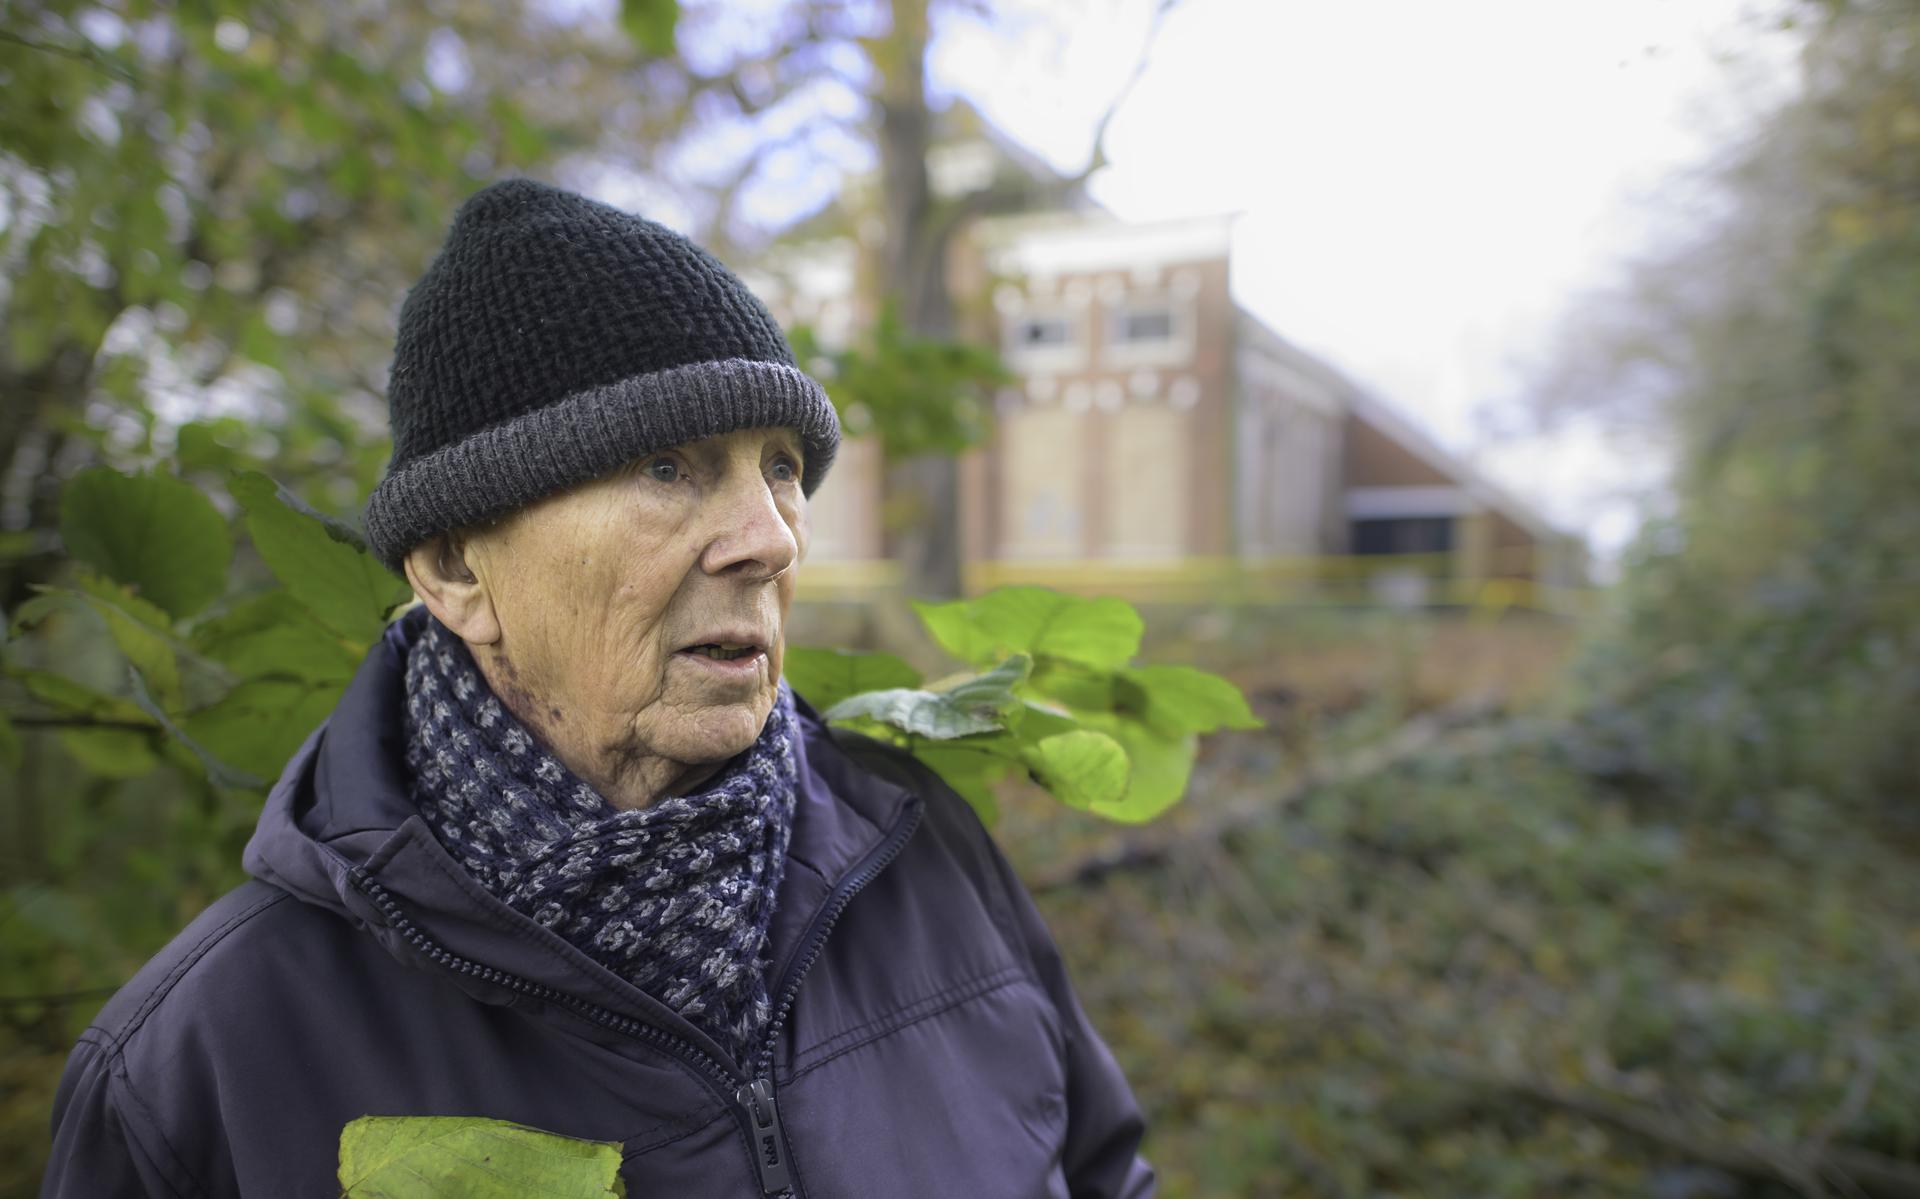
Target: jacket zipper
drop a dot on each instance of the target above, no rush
(754, 1101)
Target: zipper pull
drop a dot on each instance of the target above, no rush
(769, 1144)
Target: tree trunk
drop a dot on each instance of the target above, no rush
(29, 493)
(924, 492)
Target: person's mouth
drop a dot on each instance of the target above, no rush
(731, 651)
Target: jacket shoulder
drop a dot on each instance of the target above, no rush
(211, 936)
(120, 1117)
(245, 950)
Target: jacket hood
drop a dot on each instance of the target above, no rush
(340, 822)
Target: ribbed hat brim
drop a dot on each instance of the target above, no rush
(589, 433)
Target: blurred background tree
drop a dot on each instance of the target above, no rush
(1765, 645)
(844, 89)
(210, 213)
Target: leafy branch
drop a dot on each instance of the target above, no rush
(1049, 693)
(236, 687)
(31, 721)
(1047, 688)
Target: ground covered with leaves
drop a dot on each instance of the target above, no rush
(1478, 972)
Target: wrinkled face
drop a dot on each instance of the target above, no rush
(642, 616)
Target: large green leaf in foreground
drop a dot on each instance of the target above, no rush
(1102, 633)
(1177, 700)
(977, 705)
(430, 1157)
(827, 676)
(158, 535)
(1083, 769)
(322, 562)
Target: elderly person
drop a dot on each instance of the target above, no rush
(569, 853)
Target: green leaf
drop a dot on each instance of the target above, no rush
(211, 445)
(142, 632)
(650, 23)
(1082, 769)
(17, 543)
(1037, 720)
(971, 770)
(994, 689)
(322, 562)
(256, 727)
(1179, 699)
(1075, 685)
(827, 676)
(1102, 633)
(217, 771)
(69, 698)
(978, 705)
(953, 628)
(918, 395)
(111, 753)
(1161, 768)
(30, 614)
(922, 713)
(51, 915)
(274, 634)
(156, 534)
(430, 1157)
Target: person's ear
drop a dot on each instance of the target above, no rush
(437, 568)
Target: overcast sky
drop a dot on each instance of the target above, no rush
(1423, 187)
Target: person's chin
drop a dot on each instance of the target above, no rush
(720, 731)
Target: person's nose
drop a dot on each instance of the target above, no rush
(751, 536)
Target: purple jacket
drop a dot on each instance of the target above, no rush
(926, 1039)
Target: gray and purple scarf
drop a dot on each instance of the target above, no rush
(675, 898)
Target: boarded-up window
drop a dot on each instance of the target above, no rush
(1149, 483)
(1135, 325)
(1044, 463)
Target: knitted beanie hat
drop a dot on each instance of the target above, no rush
(555, 338)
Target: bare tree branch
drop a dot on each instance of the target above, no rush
(1099, 158)
(83, 54)
(1418, 737)
(57, 998)
(726, 194)
(1804, 1166)
(80, 722)
(1003, 196)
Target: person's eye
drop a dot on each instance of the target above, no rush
(663, 470)
(786, 470)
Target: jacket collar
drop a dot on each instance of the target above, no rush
(341, 811)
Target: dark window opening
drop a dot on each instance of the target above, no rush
(1404, 535)
(1042, 333)
(1143, 325)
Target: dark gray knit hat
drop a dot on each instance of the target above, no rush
(555, 338)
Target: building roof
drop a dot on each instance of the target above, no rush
(1326, 384)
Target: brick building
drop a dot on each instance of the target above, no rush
(1160, 441)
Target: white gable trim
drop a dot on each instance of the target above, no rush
(1393, 503)
(1056, 249)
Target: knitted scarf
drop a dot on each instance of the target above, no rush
(676, 897)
